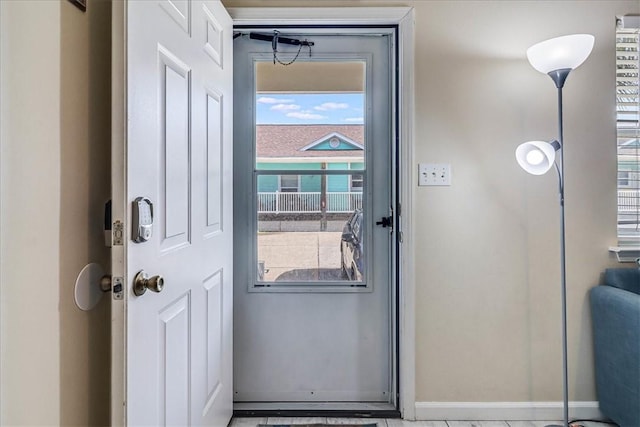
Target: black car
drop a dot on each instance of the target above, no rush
(351, 247)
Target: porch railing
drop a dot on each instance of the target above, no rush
(628, 200)
(308, 202)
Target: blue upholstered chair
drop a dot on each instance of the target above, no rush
(615, 310)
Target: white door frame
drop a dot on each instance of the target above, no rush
(403, 17)
(118, 208)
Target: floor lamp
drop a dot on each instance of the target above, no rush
(557, 58)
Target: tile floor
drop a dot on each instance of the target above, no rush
(253, 422)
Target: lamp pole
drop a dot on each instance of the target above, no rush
(559, 78)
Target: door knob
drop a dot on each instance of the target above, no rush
(142, 282)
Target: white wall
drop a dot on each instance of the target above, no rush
(488, 316)
(30, 211)
(55, 122)
(487, 248)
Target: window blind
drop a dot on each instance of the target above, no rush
(628, 133)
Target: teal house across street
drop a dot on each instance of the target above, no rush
(289, 159)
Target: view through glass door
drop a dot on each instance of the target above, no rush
(313, 287)
(310, 174)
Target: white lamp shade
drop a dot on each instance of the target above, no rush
(566, 52)
(535, 157)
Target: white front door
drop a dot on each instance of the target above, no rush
(172, 350)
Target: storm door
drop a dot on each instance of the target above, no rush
(313, 208)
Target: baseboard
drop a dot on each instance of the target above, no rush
(485, 411)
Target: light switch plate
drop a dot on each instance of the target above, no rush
(434, 174)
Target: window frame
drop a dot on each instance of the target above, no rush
(627, 129)
(288, 189)
(360, 180)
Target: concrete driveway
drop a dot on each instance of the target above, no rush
(299, 256)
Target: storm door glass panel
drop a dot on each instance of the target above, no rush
(310, 173)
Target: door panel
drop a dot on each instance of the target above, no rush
(312, 336)
(214, 166)
(178, 10)
(174, 351)
(215, 334)
(214, 45)
(175, 163)
(177, 343)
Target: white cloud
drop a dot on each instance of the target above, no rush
(306, 116)
(285, 107)
(354, 119)
(268, 100)
(332, 106)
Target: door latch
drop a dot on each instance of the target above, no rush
(112, 284)
(386, 221)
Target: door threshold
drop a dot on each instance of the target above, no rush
(316, 409)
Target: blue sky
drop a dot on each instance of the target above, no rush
(310, 108)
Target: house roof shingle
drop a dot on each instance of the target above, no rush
(273, 141)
